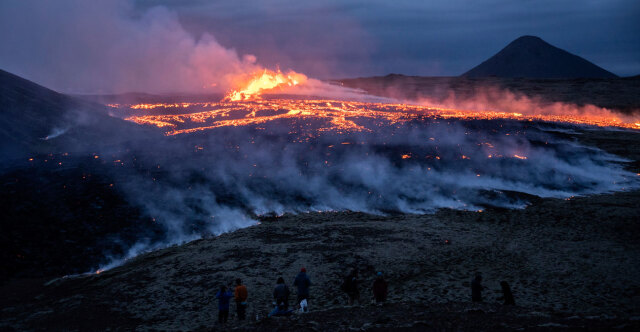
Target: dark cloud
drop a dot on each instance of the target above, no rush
(69, 44)
(448, 37)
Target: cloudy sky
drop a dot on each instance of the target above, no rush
(45, 40)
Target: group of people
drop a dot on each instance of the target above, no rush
(477, 288)
(350, 286)
(224, 297)
(281, 294)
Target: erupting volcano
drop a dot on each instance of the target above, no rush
(269, 143)
(178, 157)
(245, 105)
(266, 81)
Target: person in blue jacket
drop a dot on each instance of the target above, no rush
(302, 282)
(224, 297)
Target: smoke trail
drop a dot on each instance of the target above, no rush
(55, 132)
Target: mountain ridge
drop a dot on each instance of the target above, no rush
(35, 119)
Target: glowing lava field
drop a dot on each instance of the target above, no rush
(271, 156)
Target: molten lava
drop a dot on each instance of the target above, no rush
(328, 115)
(264, 81)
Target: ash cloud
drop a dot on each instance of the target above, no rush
(110, 47)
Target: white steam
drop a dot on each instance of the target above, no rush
(243, 172)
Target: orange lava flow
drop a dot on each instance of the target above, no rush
(333, 115)
(265, 81)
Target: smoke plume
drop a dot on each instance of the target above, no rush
(111, 47)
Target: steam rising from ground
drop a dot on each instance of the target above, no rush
(495, 99)
(220, 180)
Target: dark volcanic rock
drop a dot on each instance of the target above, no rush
(36, 120)
(60, 219)
(62, 211)
(532, 57)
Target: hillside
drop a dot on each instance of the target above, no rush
(62, 213)
(37, 120)
(569, 263)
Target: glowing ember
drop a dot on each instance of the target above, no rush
(519, 157)
(267, 80)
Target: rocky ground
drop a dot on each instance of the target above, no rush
(572, 264)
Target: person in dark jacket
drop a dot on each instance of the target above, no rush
(476, 288)
(224, 298)
(240, 295)
(302, 282)
(281, 294)
(380, 289)
(350, 286)
(506, 294)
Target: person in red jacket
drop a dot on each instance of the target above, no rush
(380, 289)
(240, 294)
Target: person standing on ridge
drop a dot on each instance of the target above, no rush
(350, 286)
(507, 296)
(476, 288)
(380, 289)
(224, 298)
(240, 295)
(302, 282)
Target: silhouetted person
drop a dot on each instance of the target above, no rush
(302, 282)
(350, 286)
(224, 298)
(476, 288)
(240, 294)
(506, 293)
(281, 294)
(380, 289)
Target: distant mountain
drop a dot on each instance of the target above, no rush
(532, 57)
(34, 119)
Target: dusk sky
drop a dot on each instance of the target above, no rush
(63, 44)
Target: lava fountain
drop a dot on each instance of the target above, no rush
(266, 80)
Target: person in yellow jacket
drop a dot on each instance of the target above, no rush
(240, 294)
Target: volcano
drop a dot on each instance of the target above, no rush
(532, 57)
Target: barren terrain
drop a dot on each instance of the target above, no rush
(572, 264)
